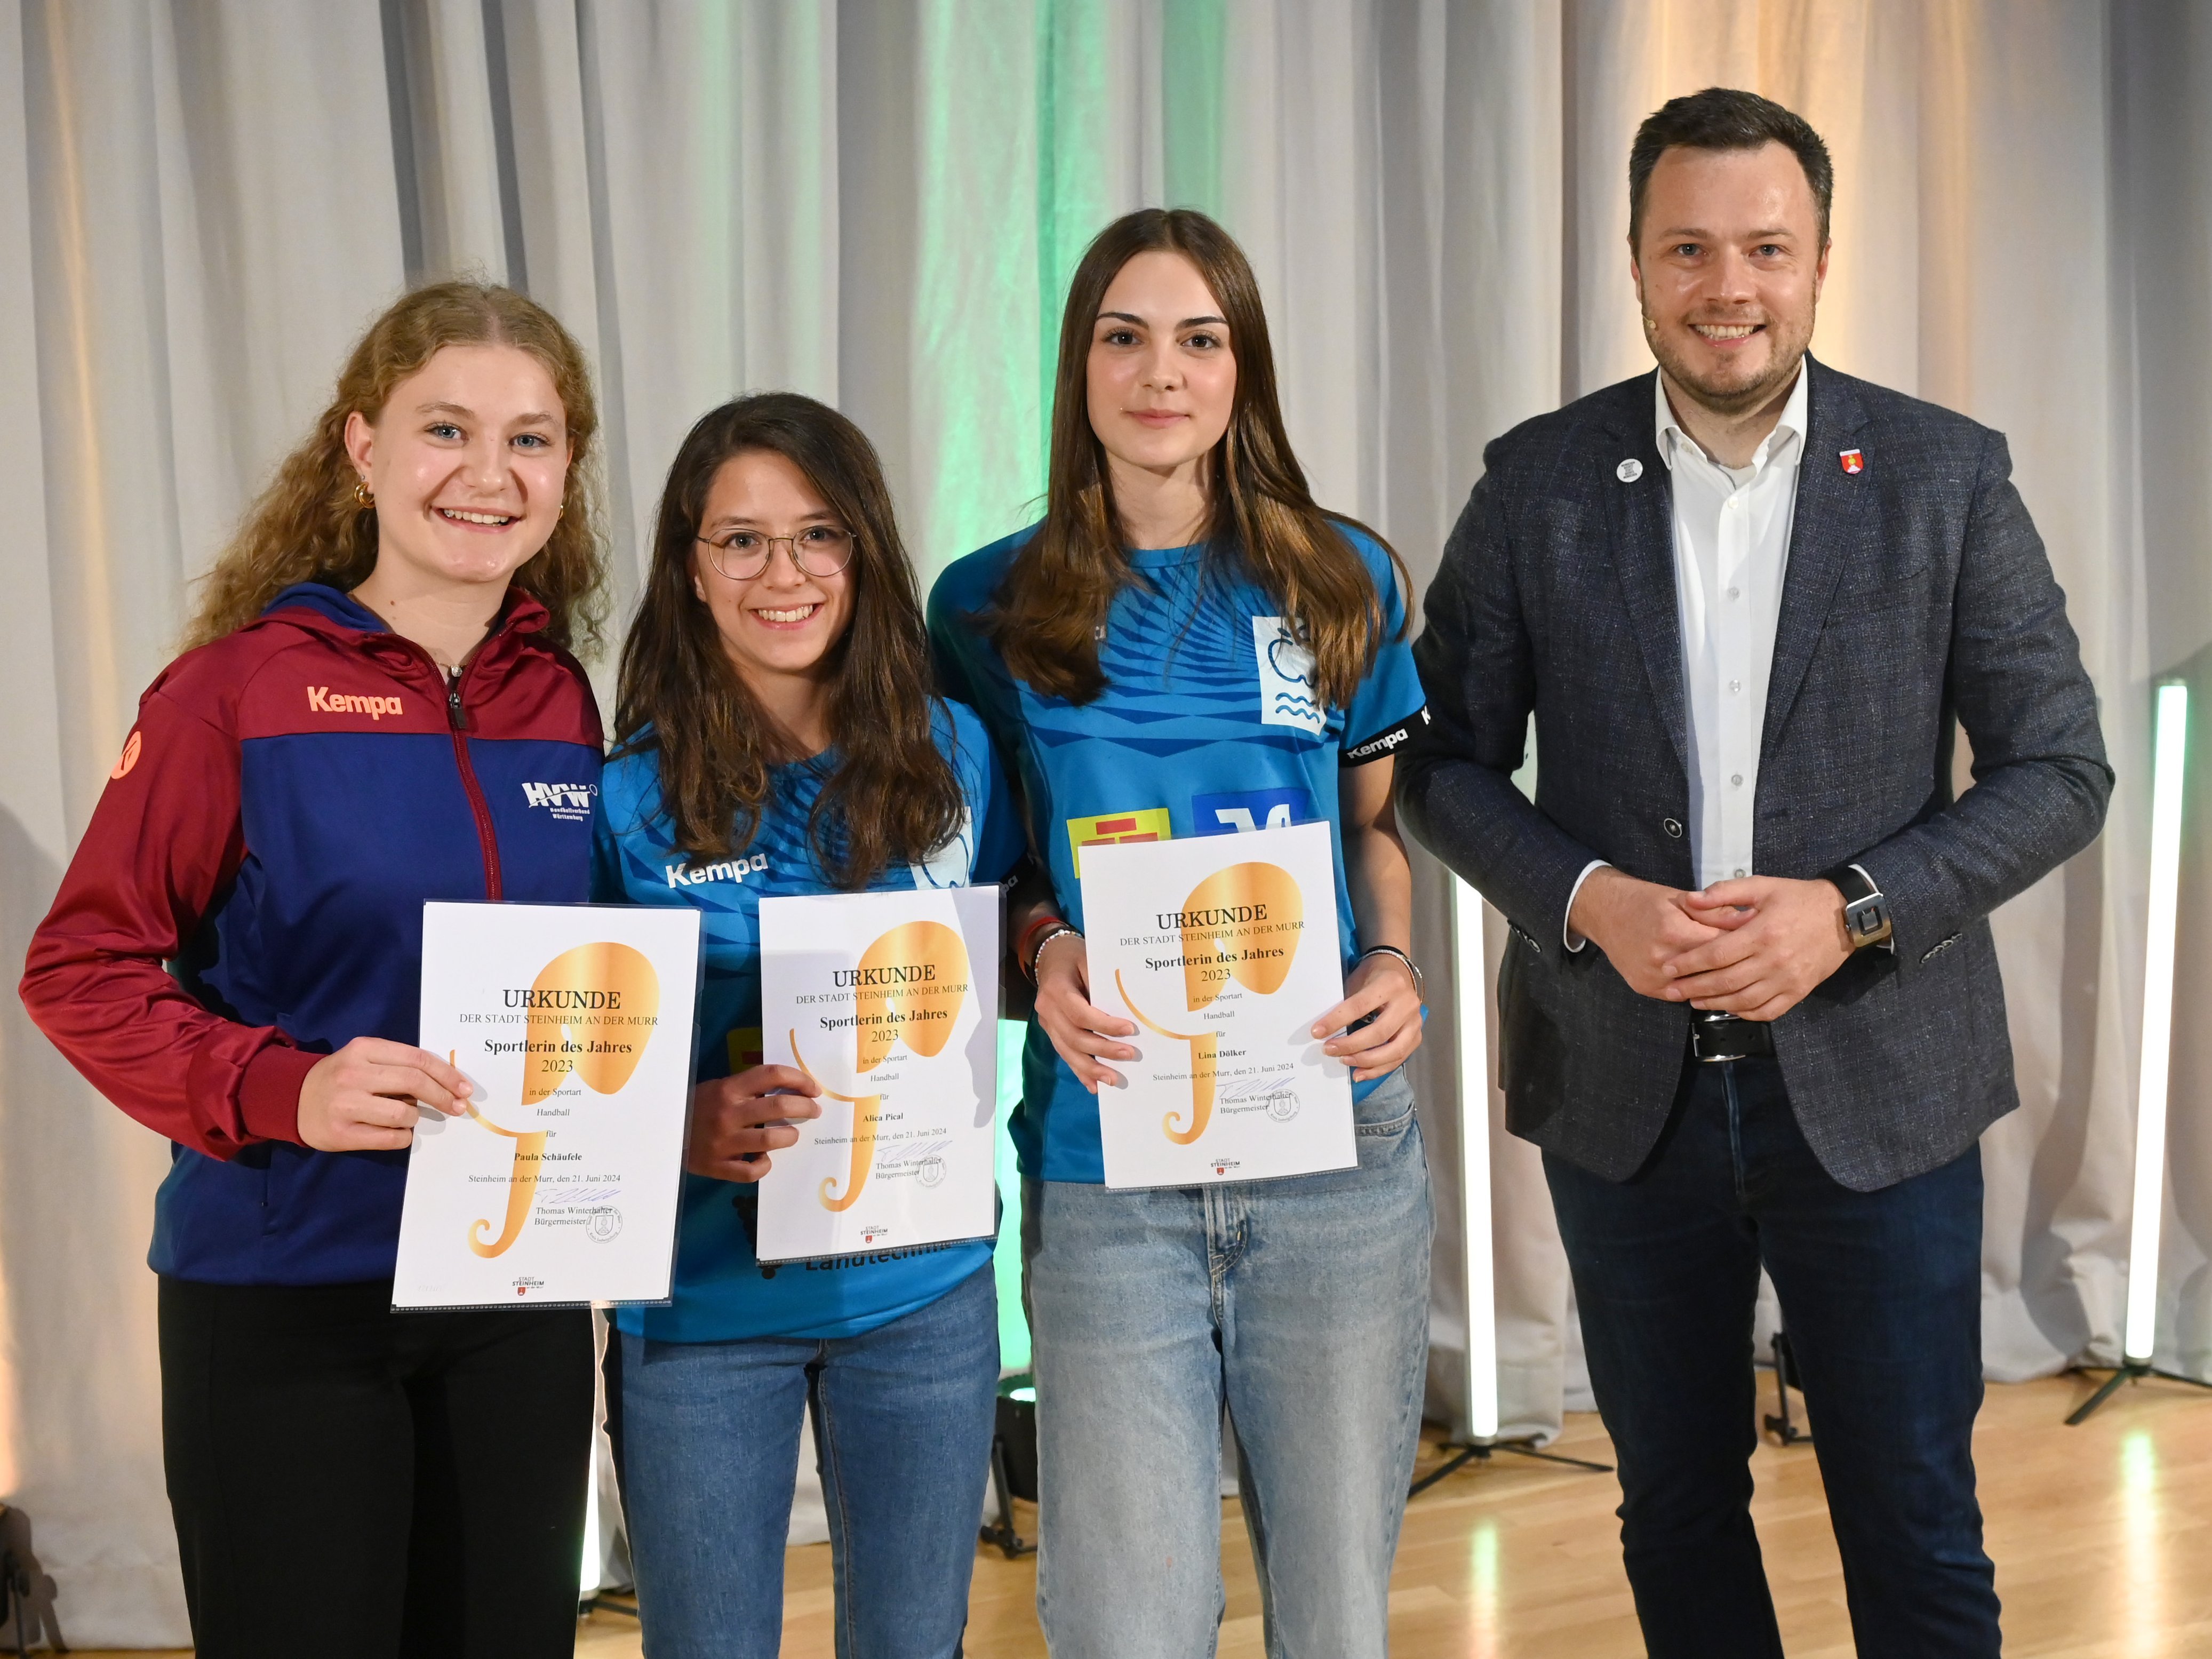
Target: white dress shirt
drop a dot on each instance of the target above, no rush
(1731, 547)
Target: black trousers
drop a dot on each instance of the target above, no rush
(353, 1483)
(1882, 1294)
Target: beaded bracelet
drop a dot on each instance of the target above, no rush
(1051, 933)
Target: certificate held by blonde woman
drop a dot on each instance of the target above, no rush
(1224, 950)
(558, 1181)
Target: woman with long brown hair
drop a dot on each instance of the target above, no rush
(1189, 645)
(380, 661)
(776, 734)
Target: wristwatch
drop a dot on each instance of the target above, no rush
(1866, 911)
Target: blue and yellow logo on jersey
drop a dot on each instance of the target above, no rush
(1250, 809)
(1111, 829)
(745, 1048)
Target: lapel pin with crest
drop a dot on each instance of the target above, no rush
(1629, 471)
(1854, 462)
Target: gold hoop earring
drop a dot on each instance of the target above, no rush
(561, 511)
(362, 497)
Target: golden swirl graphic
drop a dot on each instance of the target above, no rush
(907, 988)
(592, 1012)
(866, 1109)
(1205, 1060)
(1241, 925)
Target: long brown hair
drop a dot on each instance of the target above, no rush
(307, 525)
(1047, 614)
(892, 794)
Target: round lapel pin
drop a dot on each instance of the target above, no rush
(1629, 471)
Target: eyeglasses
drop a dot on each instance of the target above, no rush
(740, 556)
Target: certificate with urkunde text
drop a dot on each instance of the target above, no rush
(1223, 949)
(890, 1002)
(558, 1180)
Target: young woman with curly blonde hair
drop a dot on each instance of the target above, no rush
(378, 672)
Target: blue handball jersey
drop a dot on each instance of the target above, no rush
(1207, 725)
(722, 1293)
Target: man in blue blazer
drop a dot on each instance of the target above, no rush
(1750, 1006)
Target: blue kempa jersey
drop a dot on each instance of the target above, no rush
(1208, 726)
(722, 1293)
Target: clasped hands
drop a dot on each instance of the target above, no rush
(1755, 946)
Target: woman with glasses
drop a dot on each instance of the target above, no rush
(776, 734)
(1188, 645)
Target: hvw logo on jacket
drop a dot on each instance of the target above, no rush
(570, 802)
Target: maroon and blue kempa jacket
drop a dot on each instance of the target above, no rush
(286, 801)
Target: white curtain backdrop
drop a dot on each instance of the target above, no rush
(878, 202)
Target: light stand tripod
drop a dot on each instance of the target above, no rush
(1013, 1463)
(1480, 1452)
(2128, 1370)
(1785, 1378)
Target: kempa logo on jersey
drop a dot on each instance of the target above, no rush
(323, 701)
(571, 802)
(1377, 747)
(726, 870)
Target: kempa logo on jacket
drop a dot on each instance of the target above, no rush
(570, 802)
(323, 701)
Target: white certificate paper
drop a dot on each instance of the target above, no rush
(559, 1182)
(890, 1002)
(1224, 950)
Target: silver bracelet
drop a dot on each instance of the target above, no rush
(1412, 966)
(1050, 934)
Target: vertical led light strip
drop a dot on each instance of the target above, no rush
(593, 1555)
(2171, 748)
(1471, 982)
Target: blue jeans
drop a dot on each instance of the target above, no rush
(707, 1436)
(1882, 1295)
(1303, 1303)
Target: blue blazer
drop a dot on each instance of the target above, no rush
(1918, 602)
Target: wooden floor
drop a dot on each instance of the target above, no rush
(2102, 1537)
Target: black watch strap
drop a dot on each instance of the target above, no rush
(1866, 910)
